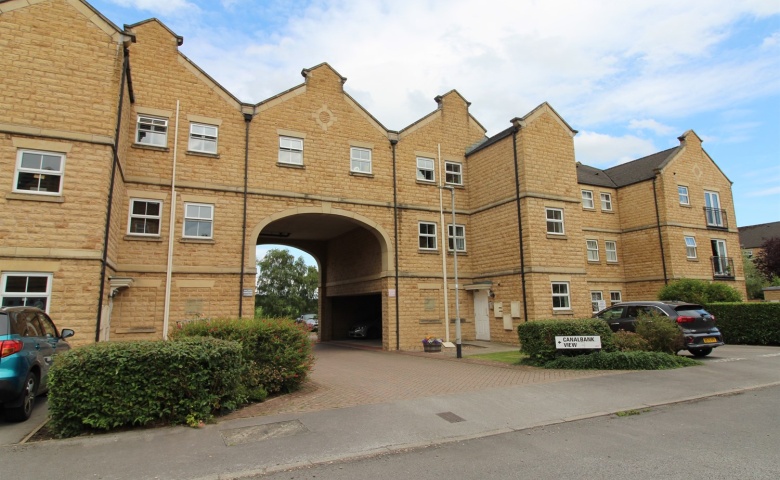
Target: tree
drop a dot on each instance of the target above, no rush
(768, 260)
(286, 287)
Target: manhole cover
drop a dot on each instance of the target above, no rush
(257, 433)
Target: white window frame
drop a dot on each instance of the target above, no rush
(592, 247)
(189, 218)
(714, 212)
(453, 173)
(357, 162)
(422, 170)
(606, 202)
(290, 150)
(563, 296)
(594, 306)
(460, 234)
(26, 295)
(587, 199)
(157, 127)
(682, 194)
(554, 221)
(427, 235)
(38, 173)
(144, 217)
(205, 133)
(612, 256)
(691, 251)
(615, 296)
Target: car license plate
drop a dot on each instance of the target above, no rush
(710, 340)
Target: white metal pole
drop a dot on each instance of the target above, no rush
(443, 227)
(171, 226)
(458, 350)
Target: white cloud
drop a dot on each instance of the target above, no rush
(651, 125)
(771, 41)
(600, 150)
(168, 7)
(765, 192)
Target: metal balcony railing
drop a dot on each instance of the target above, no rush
(722, 267)
(716, 217)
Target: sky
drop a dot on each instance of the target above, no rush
(630, 76)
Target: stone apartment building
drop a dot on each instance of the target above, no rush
(134, 189)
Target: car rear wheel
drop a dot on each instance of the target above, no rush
(700, 352)
(24, 410)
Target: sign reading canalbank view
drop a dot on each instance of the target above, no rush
(584, 342)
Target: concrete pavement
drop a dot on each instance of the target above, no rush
(282, 439)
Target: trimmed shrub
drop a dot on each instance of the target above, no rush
(747, 323)
(629, 342)
(111, 385)
(698, 291)
(622, 361)
(537, 338)
(277, 352)
(661, 333)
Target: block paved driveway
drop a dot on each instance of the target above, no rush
(344, 377)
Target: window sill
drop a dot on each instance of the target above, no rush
(151, 147)
(35, 197)
(594, 262)
(432, 183)
(142, 238)
(361, 174)
(455, 185)
(431, 322)
(686, 205)
(612, 263)
(611, 212)
(290, 165)
(563, 312)
(427, 251)
(208, 241)
(696, 260)
(463, 253)
(201, 154)
(589, 209)
(556, 236)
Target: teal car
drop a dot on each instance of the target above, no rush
(29, 341)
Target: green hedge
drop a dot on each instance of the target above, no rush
(110, 385)
(278, 352)
(747, 323)
(537, 338)
(622, 361)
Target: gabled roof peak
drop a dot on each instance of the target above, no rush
(440, 98)
(179, 38)
(306, 71)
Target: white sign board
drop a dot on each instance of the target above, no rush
(391, 292)
(584, 342)
(249, 292)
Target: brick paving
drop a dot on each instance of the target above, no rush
(344, 376)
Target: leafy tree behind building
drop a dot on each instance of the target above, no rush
(286, 286)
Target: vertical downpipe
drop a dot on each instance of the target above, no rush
(443, 248)
(519, 224)
(393, 142)
(110, 201)
(660, 238)
(247, 119)
(171, 226)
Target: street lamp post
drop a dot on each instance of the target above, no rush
(458, 348)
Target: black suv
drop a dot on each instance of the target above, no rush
(29, 341)
(698, 326)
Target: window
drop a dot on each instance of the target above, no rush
(39, 172)
(593, 250)
(453, 173)
(611, 248)
(291, 150)
(560, 296)
(152, 131)
(144, 217)
(425, 169)
(606, 202)
(690, 247)
(712, 208)
(460, 237)
(748, 253)
(198, 219)
(203, 138)
(682, 192)
(615, 297)
(360, 160)
(554, 221)
(596, 301)
(26, 290)
(427, 236)
(587, 199)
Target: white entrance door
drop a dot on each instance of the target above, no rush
(481, 319)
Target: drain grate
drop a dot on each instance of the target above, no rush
(451, 417)
(240, 436)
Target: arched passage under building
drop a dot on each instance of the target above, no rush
(355, 264)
